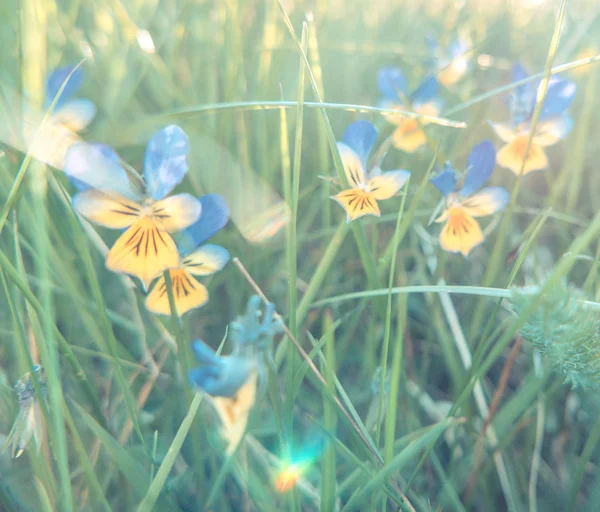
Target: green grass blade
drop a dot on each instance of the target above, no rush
(160, 479)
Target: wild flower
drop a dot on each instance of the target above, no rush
(462, 232)
(30, 420)
(73, 113)
(116, 197)
(232, 381)
(450, 63)
(409, 135)
(367, 187)
(195, 259)
(554, 123)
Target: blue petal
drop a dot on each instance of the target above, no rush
(480, 165)
(458, 48)
(444, 181)
(220, 376)
(522, 99)
(361, 136)
(107, 152)
(214, 217)
(165, 164)
(55, 81)
(520, 73)
(205, 354)
(391, 83)
(75, 114)
(559, 96)
(426, 91)
(96, 166)
(432, 43)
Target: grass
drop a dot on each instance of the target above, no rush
(413, 389)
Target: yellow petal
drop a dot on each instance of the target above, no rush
(265, 224)
(187, 293)
(461, 232)
(234, 412)
(113, 211)
(76, 114)
(551, 131)
(143, 251)
(486, 202)
(206, 260)
(408, 136)
(505, 131)
(511, 156)
(388, 184)
(353, 166)
(176, 212)
(454, 71)
(357, 202)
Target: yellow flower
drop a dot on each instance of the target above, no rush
(109, 197)
(366, 189)
(409, 135)
(195, 259)
(553, 124)
(462, 232)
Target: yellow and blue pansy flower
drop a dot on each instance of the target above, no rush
(366, 187)
(110, 195)
(554, 123)
(462, 232)
(73, 113)
(232, 381)
(451, 63)
(409, 135)
(195, 259)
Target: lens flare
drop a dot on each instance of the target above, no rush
(288, 477)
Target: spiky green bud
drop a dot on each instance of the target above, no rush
(565, 331)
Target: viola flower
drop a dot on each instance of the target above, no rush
(30, 420)
(409, 135)
(232, 381)
(195, 259)
(366, 187)
(462, 231)
(554, 123)
(73, 113)
(113, 196)
(450, 63)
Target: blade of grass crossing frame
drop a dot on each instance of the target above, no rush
(361, 241)
(560, 270)
(160, 479)
(14, 189)
(328, 466)
(581, 138)
(90, 272)
(485, 337)
(313, 52)
(397, 463)
(397, 357)
(292, 255)
(88, 470)
(129, 466)
(494, 266)
(33, 30)
(388, 319)
(392, 247)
